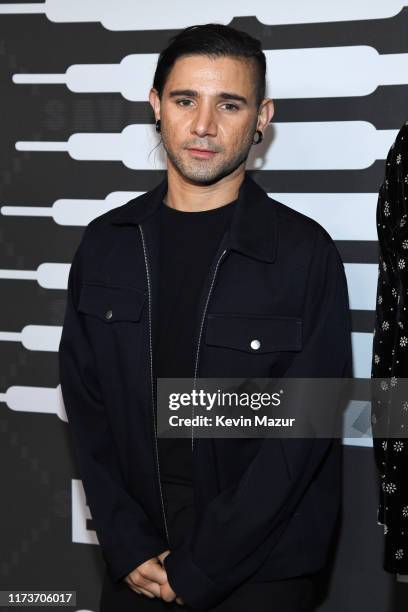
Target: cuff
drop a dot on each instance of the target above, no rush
(121, 565)
(189, 582)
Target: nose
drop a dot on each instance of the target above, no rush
(204, 121)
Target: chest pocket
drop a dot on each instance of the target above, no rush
(111, 303)
(254, 333)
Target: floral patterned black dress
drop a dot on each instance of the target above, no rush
(389, 417)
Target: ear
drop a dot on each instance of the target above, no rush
(154, 100)
(265, 114)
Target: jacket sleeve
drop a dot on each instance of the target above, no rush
(126, 536)
(241, 525)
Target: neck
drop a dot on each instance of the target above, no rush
(183, 194)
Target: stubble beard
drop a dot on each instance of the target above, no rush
(202, 171)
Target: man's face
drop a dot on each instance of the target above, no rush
(198, 109)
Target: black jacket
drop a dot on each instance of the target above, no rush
(267, 507)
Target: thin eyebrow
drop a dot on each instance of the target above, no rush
(192, 93)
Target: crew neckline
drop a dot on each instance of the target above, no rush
(195, 213)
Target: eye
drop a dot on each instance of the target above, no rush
(184, 100)
(232, 106)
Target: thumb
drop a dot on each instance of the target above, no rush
(163, 555)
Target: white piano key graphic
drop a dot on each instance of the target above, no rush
(35, 337)
(80, 513)
(291, 73)
(127, 14)
(345, 216)
(42, 400)
(362, 285)
(362, 347)
(361, 281)
(323, 145)
(48, 337)
(48, 275)
(365, 442)
(68, 211)
(353, 437)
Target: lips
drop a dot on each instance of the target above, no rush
(201, 152)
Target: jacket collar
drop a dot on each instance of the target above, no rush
(253, 228)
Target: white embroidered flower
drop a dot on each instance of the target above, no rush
(399, 553)
(376, 358)
(402, 222)
(385, 325)
(390, 487)
(385, 529)
(403, 341)
(384, 265)
(398, 160)
(405, 244)
(406, 179)
(394, 381)
(398, 446)
(405, 512)
(387, 209)
(373, 419)
(384, 385)
(401, 264)
(380, 299)
(384, 444)
(400, 323)
(394, 292)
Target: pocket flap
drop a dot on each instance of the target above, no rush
(111, 303)
(254, 333)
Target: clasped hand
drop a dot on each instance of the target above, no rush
(150, 579)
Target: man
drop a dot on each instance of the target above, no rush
(204, 276)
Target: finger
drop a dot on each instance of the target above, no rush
(167, 593)
(145, 579)
(137, 582)
(142, 591)
(153, 572)
(152, 587)
(147, 585)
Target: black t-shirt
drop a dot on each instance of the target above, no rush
(188, 244)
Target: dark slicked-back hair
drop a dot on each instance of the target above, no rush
(213, 40)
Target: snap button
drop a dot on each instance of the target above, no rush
(255, 344)
(108, 314)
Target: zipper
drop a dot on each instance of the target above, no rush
(152, 384)
(199, 338)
